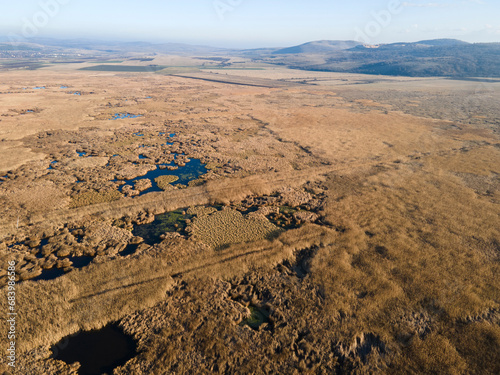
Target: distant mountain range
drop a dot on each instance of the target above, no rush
(438, 57)
(320, 46)
(117, 47)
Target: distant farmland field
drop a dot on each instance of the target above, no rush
(124, 68)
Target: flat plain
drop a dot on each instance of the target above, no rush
(358, 215)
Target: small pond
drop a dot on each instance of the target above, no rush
(52, 163)
(129, 249)
(54, 273)
(191, 171)
(173, 221)
(98, 351)
(120, 116)
(258, 316)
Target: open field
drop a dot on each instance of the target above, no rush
(358, 215)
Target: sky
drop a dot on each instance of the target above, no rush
(253, 23)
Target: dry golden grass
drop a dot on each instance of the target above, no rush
(226, 227)
(87, 299)
(94, 197)
(404, 266)
(165, 182)
(481, 161)
(439, 259)
(87, 162)
(39, 196)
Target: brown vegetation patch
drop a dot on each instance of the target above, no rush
(226, 227)
(165, 182)
(386, 216)
(88, 162)
(94, 197)
(42, 196)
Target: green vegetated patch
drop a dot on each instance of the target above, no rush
(28, 65)
(179, 69)
(223, 228)
(164, 182)
(173, 221)
(125, 68)
(94, 197)
(258, 316)
(286, 210)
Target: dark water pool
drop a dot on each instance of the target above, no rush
(191, 171)
(129, 249)
(98, 351)
(52, 163)
(80, 262)
(258, 316)
(54, 273)
(173, 221)
(44, 242)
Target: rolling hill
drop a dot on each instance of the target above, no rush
(440, 57)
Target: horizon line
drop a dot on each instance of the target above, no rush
(18, 39)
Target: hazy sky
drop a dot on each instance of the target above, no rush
(253, 23)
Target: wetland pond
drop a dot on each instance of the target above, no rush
(54, 272)
(98, 351)
(173, 221)
(52, 163)
(120, 116)
(190, 172)
(258, 316)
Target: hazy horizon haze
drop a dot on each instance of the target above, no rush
(253, 24)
